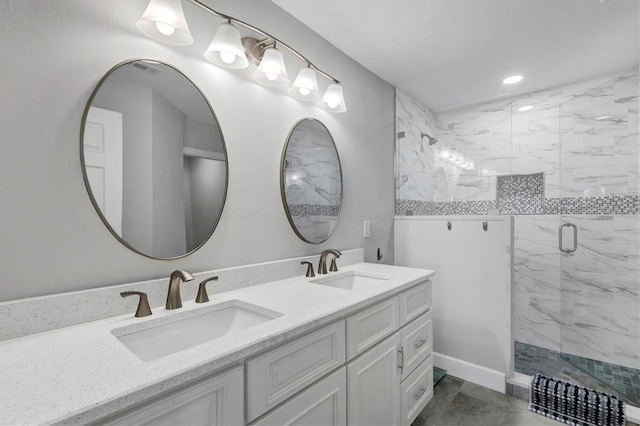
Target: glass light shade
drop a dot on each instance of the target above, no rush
(226, 48)
(164, 20)
(333, 99)
(305, 86)
(271, 71)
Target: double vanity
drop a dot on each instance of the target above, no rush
(346, 347)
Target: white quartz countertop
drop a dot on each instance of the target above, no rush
(82, 373)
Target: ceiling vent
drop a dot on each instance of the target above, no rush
(146, 67)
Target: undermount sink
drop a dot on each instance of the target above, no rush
(158, 338)
(351, 280)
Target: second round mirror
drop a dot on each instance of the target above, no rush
(311, 181)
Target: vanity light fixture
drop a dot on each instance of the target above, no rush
(333, 99)
(512, 80)
(271, 71)
(164, 20)
(226, 48)
(305, 86)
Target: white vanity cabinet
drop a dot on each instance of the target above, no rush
(373, 367)
(217, 400)
(390, 367)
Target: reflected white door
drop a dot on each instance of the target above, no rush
(103, 162)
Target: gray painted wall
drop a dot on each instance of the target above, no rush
(53, 55)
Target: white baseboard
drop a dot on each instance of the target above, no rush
(473, 373)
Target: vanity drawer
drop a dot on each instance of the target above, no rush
(282, 372)
(368, 327)
(324, 403)
(416, 340)
(415, 301)
(416, 391)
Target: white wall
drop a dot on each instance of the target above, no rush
(54, 52)
(471, 291)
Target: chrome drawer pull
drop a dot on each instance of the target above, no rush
(420, 343)
(419, 394)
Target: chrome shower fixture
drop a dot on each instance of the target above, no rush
(431, 139)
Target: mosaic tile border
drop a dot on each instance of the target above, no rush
(615, 205)
(431, 208)
(629, 204)
(313, 210)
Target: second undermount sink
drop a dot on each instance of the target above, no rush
(171, 334)
(351, 280)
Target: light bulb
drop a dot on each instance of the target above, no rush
(227, 57)
(271, 76)
(304, 91)
(165, 29)
(445, 153)
(332, 104)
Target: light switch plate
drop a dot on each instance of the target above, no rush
(367, 229)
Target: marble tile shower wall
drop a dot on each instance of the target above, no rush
(555, 159)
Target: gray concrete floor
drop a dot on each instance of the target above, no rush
(456, 402)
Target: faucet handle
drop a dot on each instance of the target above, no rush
(333, 267)
(202, 296)
(310, 272)
(143, 305)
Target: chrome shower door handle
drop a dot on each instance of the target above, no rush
(575, 238)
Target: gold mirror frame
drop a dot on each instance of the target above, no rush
(84, 170)
(283, 182)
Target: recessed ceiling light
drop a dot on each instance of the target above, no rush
(603, 117)
(513, 79)
(525, 108)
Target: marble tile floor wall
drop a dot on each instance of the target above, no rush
(457, 402)
(621, 381)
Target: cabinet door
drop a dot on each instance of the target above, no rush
(373, 385)
(214, 401)
(324, 403)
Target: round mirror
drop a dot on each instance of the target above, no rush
(311, 181)
(154, 159)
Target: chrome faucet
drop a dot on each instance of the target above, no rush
(322, 266)
(174, 301)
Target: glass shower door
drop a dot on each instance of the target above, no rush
(599, 238)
